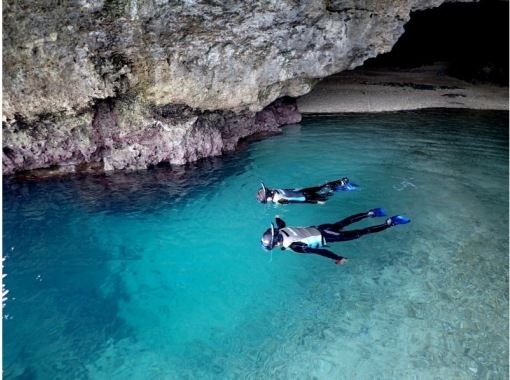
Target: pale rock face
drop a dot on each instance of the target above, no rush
(232, 55)
(61, 60)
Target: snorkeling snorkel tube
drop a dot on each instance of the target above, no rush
(268, 239)
(262, 194)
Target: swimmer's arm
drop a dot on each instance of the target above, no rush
(286, 201)
(315, 201)
(279, 222)
(303, 248)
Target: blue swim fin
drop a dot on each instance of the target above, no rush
(398, 219)
(377, 212)
(349, 186)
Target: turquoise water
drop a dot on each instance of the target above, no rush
(159, 274)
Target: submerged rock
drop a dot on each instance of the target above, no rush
(69, 66)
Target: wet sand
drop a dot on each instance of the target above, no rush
(383, 90)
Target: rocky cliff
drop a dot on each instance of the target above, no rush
(130, 83)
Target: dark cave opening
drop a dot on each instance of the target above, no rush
(471, 39)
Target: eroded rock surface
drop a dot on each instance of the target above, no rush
(128, 135)
(64, 62)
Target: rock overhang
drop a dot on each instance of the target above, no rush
(232, 55)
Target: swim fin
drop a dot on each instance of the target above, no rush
(398, 219)
(377, 212)
(349, 186)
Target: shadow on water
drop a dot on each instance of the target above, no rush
(123, 192)
(418, 118)
(62, 267)
(55, 271)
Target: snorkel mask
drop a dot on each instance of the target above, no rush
(268, 239)
(262, 194)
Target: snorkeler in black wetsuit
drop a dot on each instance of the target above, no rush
(313, 239)
(316, 194)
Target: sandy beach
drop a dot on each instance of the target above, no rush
(383, 90)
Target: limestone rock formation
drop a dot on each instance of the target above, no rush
(126, 134)
(66, 62)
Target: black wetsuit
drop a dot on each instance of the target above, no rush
(313, 194)
(334, 233)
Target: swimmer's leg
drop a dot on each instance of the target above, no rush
(355, 234)
(349, 220)
(335, 236)
(357, 217)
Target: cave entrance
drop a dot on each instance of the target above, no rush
(470, 39)
(439, 61)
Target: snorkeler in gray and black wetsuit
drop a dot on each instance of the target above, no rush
(313, 239)
(316, 194)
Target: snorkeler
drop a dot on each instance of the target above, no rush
(317, 194)
(312, 239)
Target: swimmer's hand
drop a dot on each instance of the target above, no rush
(279, 221)
(342, 261)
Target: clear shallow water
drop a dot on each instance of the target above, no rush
(159, 274)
